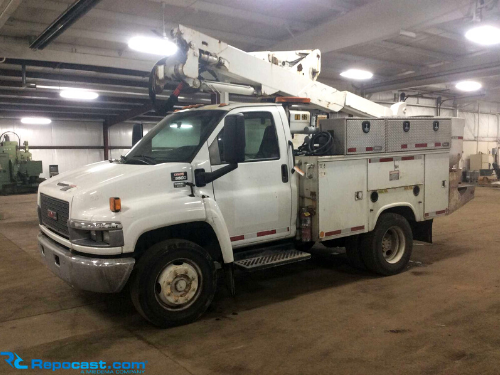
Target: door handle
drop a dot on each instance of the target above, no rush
(284, 173)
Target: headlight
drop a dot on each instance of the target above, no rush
(96, 233)
(94, 225)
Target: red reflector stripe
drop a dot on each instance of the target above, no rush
(266, 233)
(460, 137)
(383, 160)
(404, 146)
(237, 238)
(421, 145)
(353, 149)
(426, 215)
(369, 149)
(353, 229)
(440, 212)
(408, 158)
(333, 233)
(437, 144)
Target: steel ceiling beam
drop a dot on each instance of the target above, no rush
(75, 78)
(58, 109)
(81, 67)
(242, 14)
(363, 24)
(145, 108)
(417, 50)
(463, 69)
(7, 11)
(16, 114)
(76, 11)
(38, 94)
(20, 101)
(147, 24)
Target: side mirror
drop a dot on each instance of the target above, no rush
(137, 133)
(234, 139)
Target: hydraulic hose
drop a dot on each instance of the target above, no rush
(168, 105)
(324, 142)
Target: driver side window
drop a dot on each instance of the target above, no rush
(261, 139)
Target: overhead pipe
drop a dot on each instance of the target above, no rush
(63, 22)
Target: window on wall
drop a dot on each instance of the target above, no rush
(260, 136)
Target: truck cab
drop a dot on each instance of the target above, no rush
(95, 246)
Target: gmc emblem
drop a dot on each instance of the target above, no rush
(52, 214)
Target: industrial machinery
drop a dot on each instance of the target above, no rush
(18, 173)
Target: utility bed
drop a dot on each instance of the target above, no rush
(345, 193)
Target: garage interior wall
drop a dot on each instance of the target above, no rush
(481, 133)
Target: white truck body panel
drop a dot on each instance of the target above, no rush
(387, 172)
(338, 182)
(338, 189)
(436, 185)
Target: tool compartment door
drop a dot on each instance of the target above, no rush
(343, 204)
(436, 185)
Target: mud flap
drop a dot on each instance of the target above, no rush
(460, 193)
(422, 231)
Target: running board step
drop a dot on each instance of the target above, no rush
(271, 258)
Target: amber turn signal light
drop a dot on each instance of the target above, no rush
(115, 204)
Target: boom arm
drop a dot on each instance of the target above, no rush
(208, 64)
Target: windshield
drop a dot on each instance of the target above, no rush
(176, 138)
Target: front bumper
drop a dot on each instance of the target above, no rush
(87, 273)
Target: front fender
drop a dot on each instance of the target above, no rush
(217, 222)
(150, 214)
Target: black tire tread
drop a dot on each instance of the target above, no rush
(369, 246)
(141, 272)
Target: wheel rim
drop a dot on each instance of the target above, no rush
(393, 245)
(178, 285)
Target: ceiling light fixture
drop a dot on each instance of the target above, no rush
(485, 35)
(36, 120)
(80, 94)
(357, 74)
(468, 86)
(152, 45)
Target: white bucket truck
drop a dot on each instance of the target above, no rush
(213, 187)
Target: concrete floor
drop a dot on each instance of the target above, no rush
(442, 316)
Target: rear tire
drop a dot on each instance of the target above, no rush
(387, 249)
(174, 283)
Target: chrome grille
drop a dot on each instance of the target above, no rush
(61, 208)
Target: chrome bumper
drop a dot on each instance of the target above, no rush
(93, 274)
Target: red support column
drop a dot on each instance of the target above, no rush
(105, 138)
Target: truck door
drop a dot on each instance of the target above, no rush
(255, 199)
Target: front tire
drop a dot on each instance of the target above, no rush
(174, 283)
(387, 249)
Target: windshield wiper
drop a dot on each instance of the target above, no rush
(144, 158)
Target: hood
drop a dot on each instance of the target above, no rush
(90, 187)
